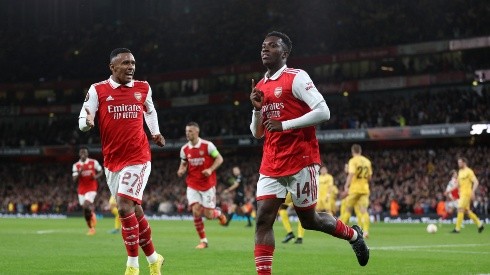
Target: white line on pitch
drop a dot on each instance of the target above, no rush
(45, 231)
(458, 251)
(425, 246)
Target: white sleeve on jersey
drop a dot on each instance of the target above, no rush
(211, 147)
(183, 157)
(256, 124)
(151, 117)
(305, 90)
(97, 166)
(92, 104)
(74, 170)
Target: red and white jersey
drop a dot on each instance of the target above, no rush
(286, 94)
(198, 158)
(86, 171)
(120, 110)
(452, 188)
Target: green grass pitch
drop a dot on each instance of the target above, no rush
(60, 246)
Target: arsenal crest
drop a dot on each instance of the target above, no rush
(137, 95)
(201, 152)
(278, 92)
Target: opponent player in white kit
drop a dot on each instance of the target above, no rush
(287, 105)
(120, 104)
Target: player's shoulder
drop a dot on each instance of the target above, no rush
(140, 82)
(206, 142)
(103, 82)
(185, 146)
(293, 71)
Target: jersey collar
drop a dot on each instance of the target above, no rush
(198, 144)
(276, 75)
(116, 85)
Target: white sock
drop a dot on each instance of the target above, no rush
(204, 240)
(133, 262)
(152, 258)
(354, 237)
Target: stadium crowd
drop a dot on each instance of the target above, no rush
(415, 178)
(361, 110)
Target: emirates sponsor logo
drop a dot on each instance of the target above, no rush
(137, 95)
(278, 92)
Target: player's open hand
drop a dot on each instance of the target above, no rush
(158, 139)
(273, 125)
(256, 97)
(90, 118)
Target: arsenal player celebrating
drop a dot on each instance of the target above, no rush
(200, 159)
(120, 104)
(86, 171)
(287, 106)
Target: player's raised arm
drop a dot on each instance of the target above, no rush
(89, 108)
(305, 90)
(257, 99)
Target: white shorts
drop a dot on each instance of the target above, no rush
(302, 186)
(452, 204)
(205, 198)
(89, 196)
(129, 182)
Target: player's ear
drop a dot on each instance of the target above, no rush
(111, 67)
(285, 54)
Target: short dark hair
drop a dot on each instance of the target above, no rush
(192, 123)
(117, 51)
(285, 39)
(356, 148)
(465, 160)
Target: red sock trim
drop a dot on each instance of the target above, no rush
(198, 223)
(263, 259)
(130, 234)
(145, 240)
(343, 231)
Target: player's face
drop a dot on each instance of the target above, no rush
(123, 67)
(191, 133)
(461, 163)
(83, 153)
(273, 53)
(323, 170)
(236, 171)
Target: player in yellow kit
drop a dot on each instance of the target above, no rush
(325, 192)
(357, 188)
(117, 221)
(283, 213)
(468, 183)
(342, 201)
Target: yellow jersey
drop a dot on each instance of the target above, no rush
(325, 181)
(465, 180)
(360, 166)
